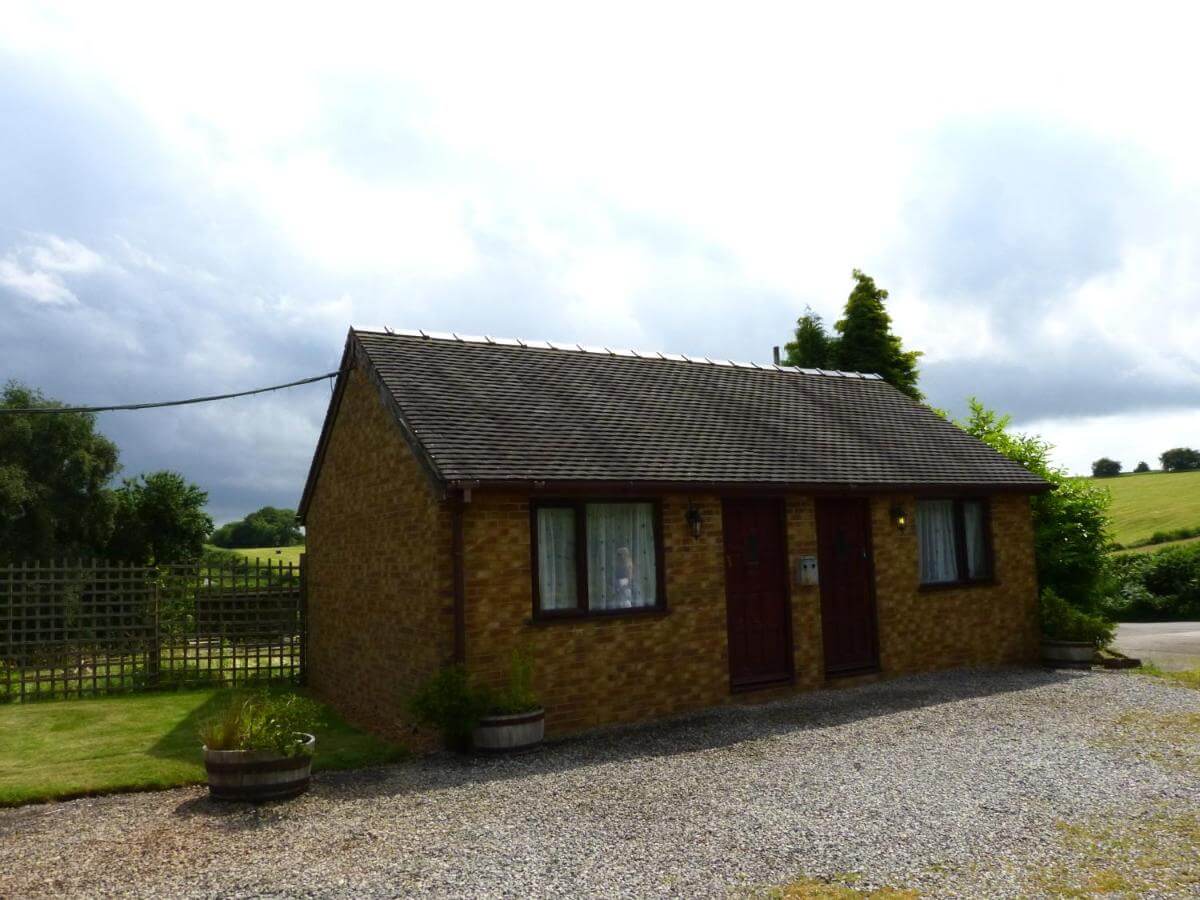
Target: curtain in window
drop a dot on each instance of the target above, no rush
(935, 534)
(620, 555)
(556, 558)
(978, 564)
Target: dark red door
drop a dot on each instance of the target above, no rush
(760, 641)
(847, 597)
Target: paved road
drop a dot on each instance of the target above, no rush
(1170, 645)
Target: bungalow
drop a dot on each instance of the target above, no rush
(661, 532)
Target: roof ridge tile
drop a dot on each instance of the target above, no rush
(604, 350)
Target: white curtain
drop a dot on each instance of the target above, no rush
(976, 533)
(556, 558)
(620, 555)
(935, 534)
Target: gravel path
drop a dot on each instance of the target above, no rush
(949, 783)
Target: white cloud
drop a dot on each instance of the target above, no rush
(36, 285)
(37, 269)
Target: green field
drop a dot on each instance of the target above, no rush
(267, 554)
(70, 748)
(1152, 501)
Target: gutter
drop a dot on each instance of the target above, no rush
(633, 487)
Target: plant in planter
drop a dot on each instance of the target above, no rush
(1069, 635)
(260, 747)
(514, 717)
(510, 718)
(451, 704)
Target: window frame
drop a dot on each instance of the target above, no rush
(960, 545)
(581, 609)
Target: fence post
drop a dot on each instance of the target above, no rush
(303, 619)
(155, 656)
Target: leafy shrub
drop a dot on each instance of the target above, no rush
(451, 704)
(1142, 467)
(1070, 523)
(1155, 586)
(1106, 468)
(1063, 622)
(1166, 537)
(262, 721)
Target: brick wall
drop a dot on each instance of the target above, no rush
(601, 671)
(937, 629)
(380, 590)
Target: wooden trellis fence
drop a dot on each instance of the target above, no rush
(74, 628)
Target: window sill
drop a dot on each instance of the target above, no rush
(603, 615)
(956, 585)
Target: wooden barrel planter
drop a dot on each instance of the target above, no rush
(1068, 654)
(509, 734)
(258, 775)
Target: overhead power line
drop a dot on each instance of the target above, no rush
(96, 409)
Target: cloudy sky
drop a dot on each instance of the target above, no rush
(204, 201)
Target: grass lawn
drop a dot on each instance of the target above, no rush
(268, 554)
(68, 748)
(1152, 501)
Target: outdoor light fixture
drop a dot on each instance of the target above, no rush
(900, 517)
(693, 519)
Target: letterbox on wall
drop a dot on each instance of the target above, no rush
(806, 570)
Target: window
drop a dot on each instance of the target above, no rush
(594, 558)
(955, 541)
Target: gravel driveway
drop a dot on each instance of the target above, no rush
(949, 783)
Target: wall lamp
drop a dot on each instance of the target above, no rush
(694, 519)
(900, 517)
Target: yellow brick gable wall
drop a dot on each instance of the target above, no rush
(378, 568)
(604, 671)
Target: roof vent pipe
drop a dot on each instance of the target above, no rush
(775, 355)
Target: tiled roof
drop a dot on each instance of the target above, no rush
(489, 410)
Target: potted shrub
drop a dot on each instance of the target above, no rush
(1070, 636)
(490, 720)
(449, 703)
(260, 747)
(514, 718)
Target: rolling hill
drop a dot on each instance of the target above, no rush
(1152, 501)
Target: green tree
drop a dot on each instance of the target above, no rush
(54, 468)
(811, 346)
(160, 518)
(1142, 467)
(1070, 522)
(266, 527)
(1180, 459)
(866, 342)
(1106, 468)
